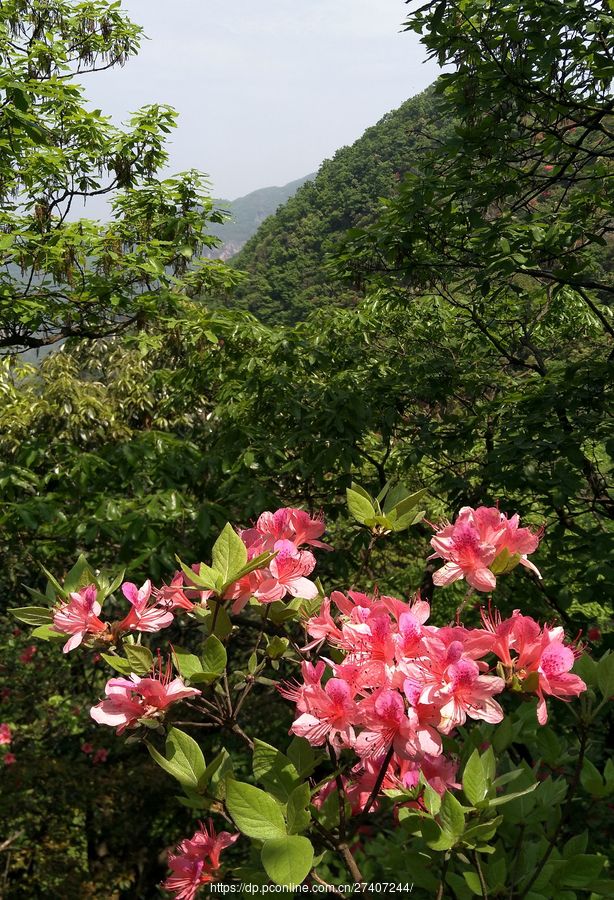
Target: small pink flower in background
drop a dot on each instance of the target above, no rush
(5, 693)
(9, 759)
(5, 734)
(79, 617)
(130, 699)
(87, 747)
(143, 617)
(100, 756)
(594, 633)
(28, 654)
(197, 861)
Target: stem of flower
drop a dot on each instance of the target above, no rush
(465, 600)
(378, 783)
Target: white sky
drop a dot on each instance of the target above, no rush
(266, 89)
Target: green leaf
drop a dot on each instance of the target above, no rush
(214, 658)
(118, 663)
(591, 779)
(287, 860)
(47, 633)
(258, 562)
(506, 798)
(274, 771)
(276, 647)
(581, 870)
(186, 663)
(605, 675)
(473, 883)
(297, 809)
(360, 507)
(80, 576)
(32, 615)
(475, 785)
(253, 811)
(451, 816)
(301, 754)
(205, 578)
(432, 800)
(184, 759)
(402, 508)
(223, 625)
(229, 555)
(139, 658)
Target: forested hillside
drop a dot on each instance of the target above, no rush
(247, 214)
(286, 258)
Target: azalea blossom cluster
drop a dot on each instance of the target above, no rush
(401, 683)
(284, 533)
(79, 617)
(481, 544)
(134, 701)
(392, 685)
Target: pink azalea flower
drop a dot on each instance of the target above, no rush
(481, 544)
(470, 694)
(330, 713)
(5, 734)
(9, 759)
(286, 524)
(87, 747)
(307, 529)
(143, 617)
(387, 722)
(322, 626)
(197, 861)
(100, 756)
(130, 699)
(172, 596)
(555, 677)
(287, 576)
(79, 617)
(468, 555)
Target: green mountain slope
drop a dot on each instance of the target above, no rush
(286, 258)
(248, 213)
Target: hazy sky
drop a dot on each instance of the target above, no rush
(266, 89)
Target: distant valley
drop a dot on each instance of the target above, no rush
(248, 213)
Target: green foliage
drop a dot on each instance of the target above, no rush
(60, 276)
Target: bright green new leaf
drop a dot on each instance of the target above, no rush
(139, 658)
(360, 507)
(274, 771)
(183, 758)
(32, 615)
(229, 555)
(287, 860)
(254, 812)
(214, 658)
(475, 784)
